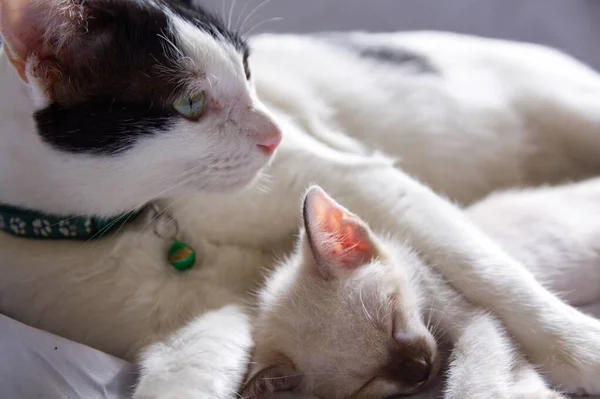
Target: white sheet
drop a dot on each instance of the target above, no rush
(36, 364)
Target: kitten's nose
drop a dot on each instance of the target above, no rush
(412, 359)
(417, 371)
(411, 373)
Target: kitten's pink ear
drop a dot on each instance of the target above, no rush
(340, 241)
(37, 28)
(268, 380)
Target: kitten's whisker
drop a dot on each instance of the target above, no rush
(431, 305)
(253, 12)
(282, 377)
(364, 307)
(443, 311)
(249, 31)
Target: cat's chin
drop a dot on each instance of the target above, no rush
(232, 186)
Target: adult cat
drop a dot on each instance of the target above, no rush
(110, 104)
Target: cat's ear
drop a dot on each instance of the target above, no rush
(35, 31)
(339, 241)
(278, 377)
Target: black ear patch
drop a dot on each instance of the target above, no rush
(116, 79)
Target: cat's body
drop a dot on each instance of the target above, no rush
(473, 115)
(335, 323)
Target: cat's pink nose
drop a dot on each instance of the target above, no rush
(270, 142)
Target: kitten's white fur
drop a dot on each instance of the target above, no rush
(328, 332)
(500, 114)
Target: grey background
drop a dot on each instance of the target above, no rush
(570, 25)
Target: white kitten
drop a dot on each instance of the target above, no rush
(351, 314)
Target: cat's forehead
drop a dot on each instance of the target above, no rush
(191, 12)
(147, 50)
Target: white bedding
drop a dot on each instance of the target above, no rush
(36, 364)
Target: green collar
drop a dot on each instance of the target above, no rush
(32, 224)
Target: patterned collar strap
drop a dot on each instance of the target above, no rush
(32, 224)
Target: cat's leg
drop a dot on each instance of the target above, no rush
(529, 384)
(481, 361)
(558, 337)
(205, 360)
(554, 231)
(484, 362)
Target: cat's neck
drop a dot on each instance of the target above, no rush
(32, 175)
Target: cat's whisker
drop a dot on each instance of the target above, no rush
(108, 227)
(256, 26)
(186, 180)
(240, 15)
(129, 213)
(223, 3)
(158, 214)
(231, 14)
(172, 45)
(253, 12)
(116, 233)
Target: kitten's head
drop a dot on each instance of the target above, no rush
(143, 95)
(342, 317)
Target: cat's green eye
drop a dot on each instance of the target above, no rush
(192, 107)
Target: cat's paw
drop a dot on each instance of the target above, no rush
(172, 395)
(173, 390)
(541, 394)
(495, 391)
(572, 361)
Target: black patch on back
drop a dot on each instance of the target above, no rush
(399, 56)
(117, 79)
(393, 55)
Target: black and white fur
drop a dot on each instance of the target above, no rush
(492, 114)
